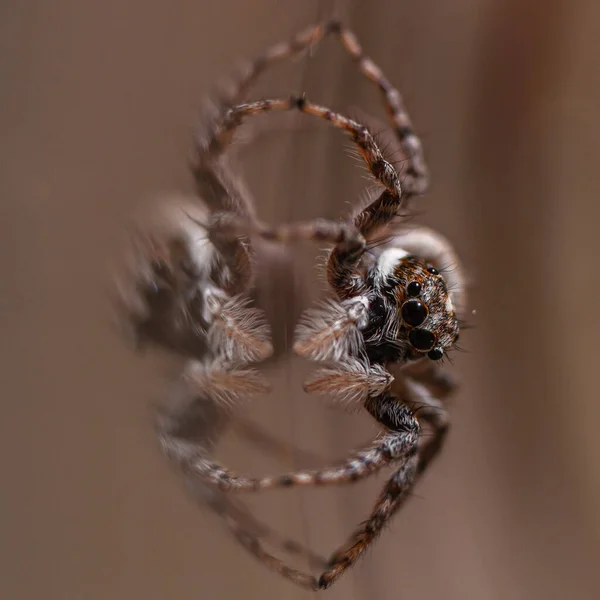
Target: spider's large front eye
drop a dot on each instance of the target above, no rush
(414, 312)
(421, 339)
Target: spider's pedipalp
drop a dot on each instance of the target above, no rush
(350, 382)
(224, 384)
(240, 332)
(332, 330)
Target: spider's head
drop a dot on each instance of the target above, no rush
(417, 304)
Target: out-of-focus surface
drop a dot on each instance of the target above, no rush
(97, 104)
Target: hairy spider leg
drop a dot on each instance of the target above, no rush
(209, 164)
(202, 420)
(232, 195)
(416, 176)
(396, 445)
(379, 167)
(349, 238)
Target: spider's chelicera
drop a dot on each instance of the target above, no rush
(393, 313)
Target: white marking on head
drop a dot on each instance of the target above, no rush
(388, 260)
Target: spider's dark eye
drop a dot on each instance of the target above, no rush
(435, 354)
(414, 312)
(413, 288)
(422, 339)
(433, 270)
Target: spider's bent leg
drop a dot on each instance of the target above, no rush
(349, 240)
(400, 441)
(346, 556)
(349, 249)
(392, 447)
(210, 165)
(416, 180)
(209, 143)
(200, 421)
(394, 492)
(349, 243)
(350, 382)
(416, 176)
(379, 167)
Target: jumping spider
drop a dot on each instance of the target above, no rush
(395, 309)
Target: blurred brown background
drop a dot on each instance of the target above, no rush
(97, 102)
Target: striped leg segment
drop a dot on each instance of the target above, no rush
(392, 447)
(346, 556)
(416, 176)
(209, 165)
(379, 167)
(394, 492)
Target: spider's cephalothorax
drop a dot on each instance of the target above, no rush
(411, 314)
(390, 305)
